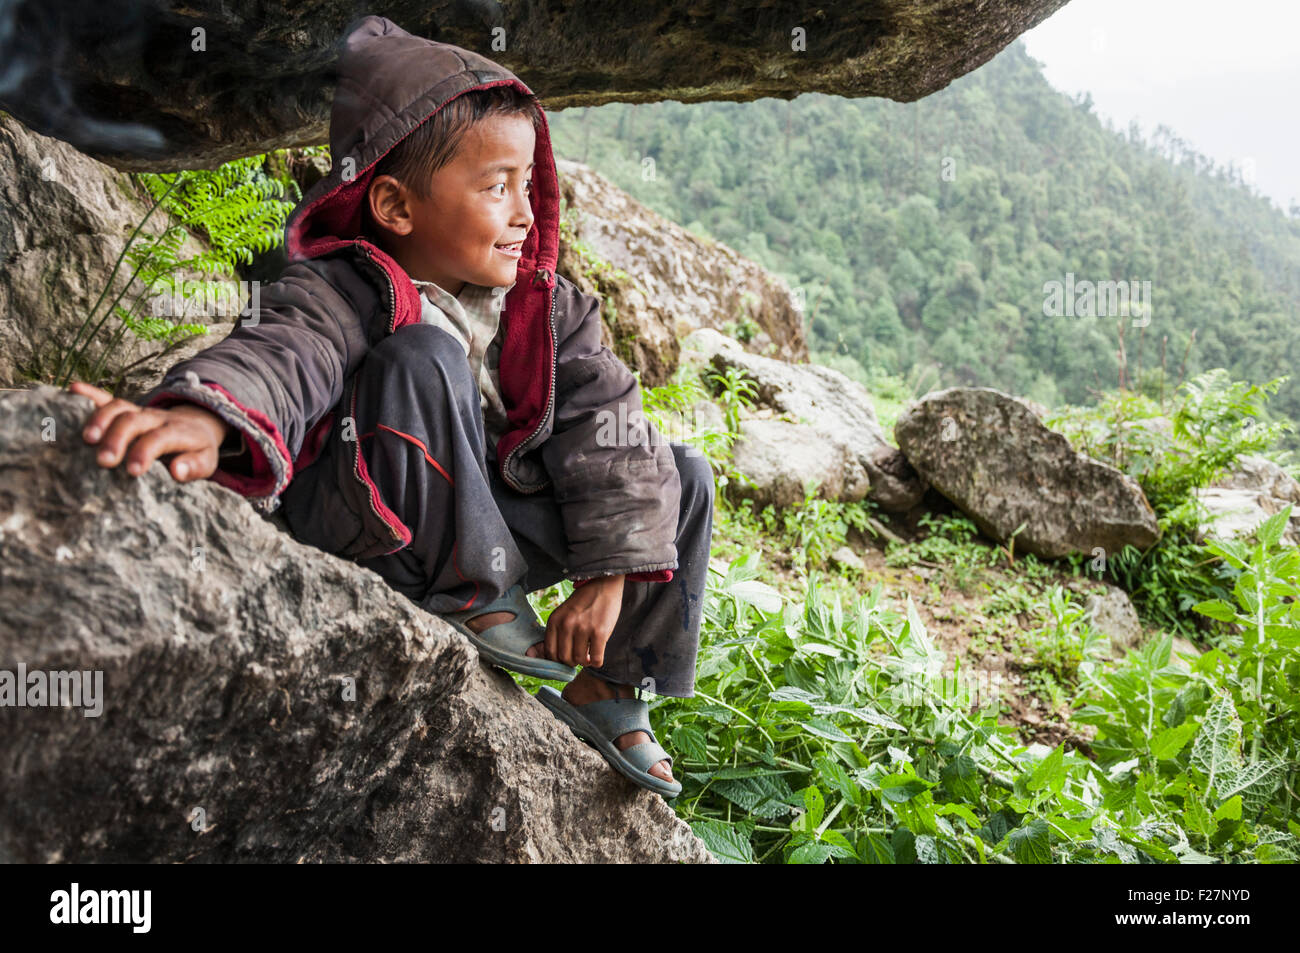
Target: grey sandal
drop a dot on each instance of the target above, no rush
(600, 723)
(506, 643)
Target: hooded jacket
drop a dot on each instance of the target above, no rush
(278, 377)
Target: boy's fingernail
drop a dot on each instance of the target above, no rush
(92, 433)
(181, 470)
(105, 457)
(133, 468)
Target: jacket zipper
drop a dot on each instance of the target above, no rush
(356, 460)
(505, 466)
(392, 292)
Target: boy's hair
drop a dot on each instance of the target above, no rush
(434, 143)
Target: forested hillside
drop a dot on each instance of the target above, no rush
(922, 234)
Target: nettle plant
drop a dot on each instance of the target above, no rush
(818, 734)
(1213, 749)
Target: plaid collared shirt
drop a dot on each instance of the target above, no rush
(474, 319)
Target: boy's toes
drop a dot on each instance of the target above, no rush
(659, 769)
(535, 650)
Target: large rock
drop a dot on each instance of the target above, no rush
(780, 458)
(671, 283)
(162, 85)
(1255, 489)
(992, 457)
(64, 219)
(834, 437)
(1111, 613)
(226, 731)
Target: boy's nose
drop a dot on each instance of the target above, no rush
(523, 217)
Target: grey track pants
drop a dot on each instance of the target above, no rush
(418, 418)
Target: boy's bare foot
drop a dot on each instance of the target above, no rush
(588, 688)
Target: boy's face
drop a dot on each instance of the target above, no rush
(477, 202)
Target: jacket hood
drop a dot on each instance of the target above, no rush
(388, 83)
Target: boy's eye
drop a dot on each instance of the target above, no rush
(528, 186)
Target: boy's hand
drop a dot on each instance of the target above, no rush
(578, 628)
(143, 434)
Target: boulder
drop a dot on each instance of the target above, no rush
(64, 219)
(658, 282)
(990, 455)
(833, 438)
(1183, 647)
(1255, 489)
(780, 458)
(1111, 613)
(260, 700)
(846, 558)
(162, 86)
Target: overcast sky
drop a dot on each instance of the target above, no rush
(1224, 76)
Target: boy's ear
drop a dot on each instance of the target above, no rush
(387, 205)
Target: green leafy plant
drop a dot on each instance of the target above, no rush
(237, 208)
(671, 407)
(1213, 422)
(1263, 635)
(815, 527)
(817, 734)
(1212, 747)
(1066, 642)
(736, 391)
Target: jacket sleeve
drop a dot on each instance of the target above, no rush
(615, 478)
(272, 378)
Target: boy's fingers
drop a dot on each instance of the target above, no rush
(124, 429)
(579, 648)
(190, 466)
(550, 640)
(562, 640)
(100, 397)
(168, 438)
(98, 423)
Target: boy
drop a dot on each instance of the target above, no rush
(427, 397)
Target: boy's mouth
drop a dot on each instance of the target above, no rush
(513, 249)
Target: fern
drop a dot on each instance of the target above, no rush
(239, 210)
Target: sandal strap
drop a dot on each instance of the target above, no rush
(508, 601)
(614, 717)
(646, 755)
(516, 635)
